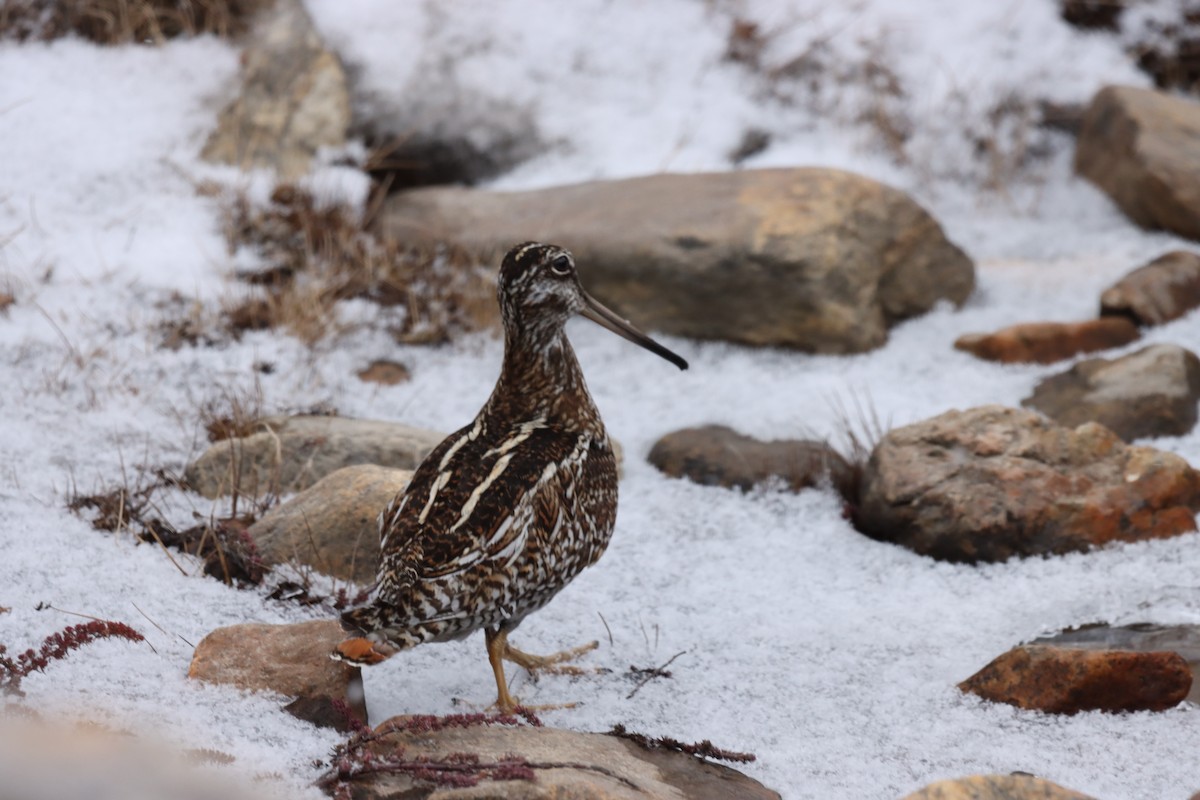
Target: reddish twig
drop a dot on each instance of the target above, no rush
(704, 749)
(55, 647)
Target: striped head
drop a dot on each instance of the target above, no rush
(539, 290)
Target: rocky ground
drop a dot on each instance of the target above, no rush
(1067, 451)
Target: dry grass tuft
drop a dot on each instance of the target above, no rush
(233, 415)
(113, 22)
(315, 256)
(226, 550)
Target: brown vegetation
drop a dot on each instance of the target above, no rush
(314, 256)
(115, 22)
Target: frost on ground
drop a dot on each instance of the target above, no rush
(832, 657)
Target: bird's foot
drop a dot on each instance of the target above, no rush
(502, 708)
(552, 663)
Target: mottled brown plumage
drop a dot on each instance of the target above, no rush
(509, 509)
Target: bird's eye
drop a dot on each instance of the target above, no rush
(561, 265)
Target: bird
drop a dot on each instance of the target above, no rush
(506, 511)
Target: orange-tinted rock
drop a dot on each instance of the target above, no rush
(292, 660)
(1165, 289)
(1047, 342)
(991, 483)
(996, 787)
(388, 373)
(1063, 680)
(1144, 637)
(715, 455)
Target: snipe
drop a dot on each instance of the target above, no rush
(508, 510)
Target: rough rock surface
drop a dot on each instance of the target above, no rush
(1142, 147)
(289, 659)
(996, 787)
(566, 765)
(1062, 680)
(388, 373)
(1165, 289)
(293, 100)
(992, 482)
(1153, 392)
(715, 455)
(1142, 637)
(289, 454)
(816, 259)
(332, 526)
(1047, 342)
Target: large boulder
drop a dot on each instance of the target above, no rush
(288, 454)
(993, 482)
(816, 259)
(293, 101)
(474, 756)
(1165, 289)
(1153, 392)
(332, 526)
(1142, 147)
(1062, 680)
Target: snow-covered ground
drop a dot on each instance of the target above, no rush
(832, 657)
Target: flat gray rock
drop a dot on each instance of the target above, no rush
(1153, 392)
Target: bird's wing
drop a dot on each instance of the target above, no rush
(474, 500)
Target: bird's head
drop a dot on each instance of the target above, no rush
(540, 290)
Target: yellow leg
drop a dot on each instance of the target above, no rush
(497, 642)
(499, 651)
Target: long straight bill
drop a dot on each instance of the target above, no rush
(606, 317)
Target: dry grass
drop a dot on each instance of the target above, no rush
(113, 22)
(315, 256)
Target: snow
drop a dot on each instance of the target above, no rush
(832, 657)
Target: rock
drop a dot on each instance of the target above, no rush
(388, 373)
(815, 259)
(993, 482)
(1153, 392)
(1047, 342)
(293, 100)
(996, 787)
(292, 660)
(289, 454)
(332, 526)
(1062, 680)
(1165, 289)
(1142, 147)
(6, 300)
(1142, 637)
(715, 455)
(564, 764)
